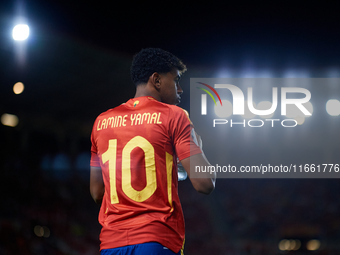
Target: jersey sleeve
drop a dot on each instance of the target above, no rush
(94, 156)
(182, 130)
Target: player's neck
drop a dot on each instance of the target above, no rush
(144, 90)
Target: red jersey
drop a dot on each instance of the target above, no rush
(137, 145)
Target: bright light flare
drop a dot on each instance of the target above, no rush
(313, 245)
(42, 231)
(333, 107)
(294, 113)
(9, 120)
(284, 245)
(300, 119)
(225, 110)
(18, 88)
(247, 113)
(20, 32)
(289, 245)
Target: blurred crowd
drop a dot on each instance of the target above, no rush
(47, 209)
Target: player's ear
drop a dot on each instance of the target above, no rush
(156, 80)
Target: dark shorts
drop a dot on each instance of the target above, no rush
(140, 249)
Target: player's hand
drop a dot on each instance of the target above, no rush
(182, 174)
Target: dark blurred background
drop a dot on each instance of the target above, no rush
(75, 65)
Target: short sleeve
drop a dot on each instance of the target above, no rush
(94, 156)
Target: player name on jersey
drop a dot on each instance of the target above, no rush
(132, 120)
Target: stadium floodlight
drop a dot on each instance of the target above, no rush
(20, 32)
(224, 110)
(9, 120)
(18, 88)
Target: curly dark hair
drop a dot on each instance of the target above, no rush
(151, 60)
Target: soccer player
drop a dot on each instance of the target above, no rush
(134, 153)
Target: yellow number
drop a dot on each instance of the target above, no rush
(150, 169)
(110, 155)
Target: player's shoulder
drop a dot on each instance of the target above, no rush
(178, 113)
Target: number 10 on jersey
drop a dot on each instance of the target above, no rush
(110, 156)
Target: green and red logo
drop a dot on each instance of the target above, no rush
(209, 93)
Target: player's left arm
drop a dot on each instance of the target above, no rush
(97, 187)
(206, 183)
(188, 141)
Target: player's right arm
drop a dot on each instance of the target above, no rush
(97, 187)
